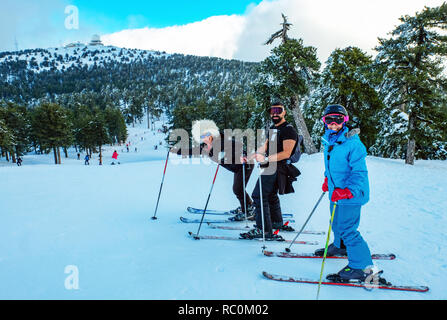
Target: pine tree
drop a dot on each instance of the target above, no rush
(6, 139)
(348, 79)
(51, 128)
(290, 72)
(414, 87)
(16, 119)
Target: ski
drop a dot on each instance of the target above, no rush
(222, 212)
(187, 220)
(380, 285)
(256, 239)
(387, 256)
(211, 225)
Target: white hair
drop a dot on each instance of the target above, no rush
(203, 127)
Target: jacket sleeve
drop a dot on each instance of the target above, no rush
(357, 181)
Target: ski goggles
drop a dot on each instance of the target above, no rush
(276, 110)
(335, 118)
(205, 136)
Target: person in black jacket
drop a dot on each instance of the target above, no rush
(277, 174)
(213, 145)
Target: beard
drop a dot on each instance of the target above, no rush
(276, 119)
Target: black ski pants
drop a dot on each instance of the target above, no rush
(271, 205)
(238, 185)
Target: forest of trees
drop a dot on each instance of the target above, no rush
(398, 99)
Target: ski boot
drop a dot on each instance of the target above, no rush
(332, 250)
(236, 211)
(240, 215)
(282, 227)
(370, 276)
(256, 233)
(252, 234)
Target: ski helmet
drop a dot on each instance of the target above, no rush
(335, 109)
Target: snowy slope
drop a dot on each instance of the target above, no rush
(63, 58)
(97, 218)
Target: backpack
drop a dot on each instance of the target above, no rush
(295, 157)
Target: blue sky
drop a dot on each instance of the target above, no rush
(116, 15)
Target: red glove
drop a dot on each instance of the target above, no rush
(325, 187)
(339, 194)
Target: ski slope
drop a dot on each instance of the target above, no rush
(96, 219)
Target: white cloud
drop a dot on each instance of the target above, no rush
(324, 24)
(215, 36)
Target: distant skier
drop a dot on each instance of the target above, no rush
(346, 180)
(86, 160)
(115, 156)
(19, 161)
(79, 156)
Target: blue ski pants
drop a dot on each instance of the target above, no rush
(345, 225)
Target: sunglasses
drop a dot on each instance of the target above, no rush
(335, 118)
(276, 110)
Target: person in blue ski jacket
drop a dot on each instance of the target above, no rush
(346, 181)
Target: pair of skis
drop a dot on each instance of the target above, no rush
(222, 212)
(219, 213)
(375, 282)
(380, 283)
(243, 239)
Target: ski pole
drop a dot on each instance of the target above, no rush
(305, 223)
(245, 197)
(161, 186)
(325, 249)
(262, 206)
(206, 205)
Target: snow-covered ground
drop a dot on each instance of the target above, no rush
(96, 220)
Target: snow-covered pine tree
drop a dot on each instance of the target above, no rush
(16, 119)
(414, 87)
(52, 128)
(349, 80)
(289, 72)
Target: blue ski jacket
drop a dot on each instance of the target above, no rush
(345, 165)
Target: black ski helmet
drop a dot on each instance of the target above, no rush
(335, 108)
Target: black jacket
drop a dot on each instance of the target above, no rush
(286, 175)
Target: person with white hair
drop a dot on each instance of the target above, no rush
(212, 144)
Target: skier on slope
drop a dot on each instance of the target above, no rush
(277, 150)
(212, 144)
(346, 180)
(115, 156)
